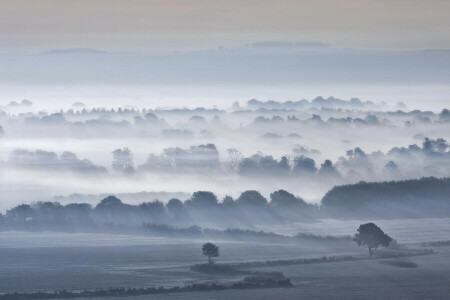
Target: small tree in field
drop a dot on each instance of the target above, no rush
(210, 250)
(372, 236)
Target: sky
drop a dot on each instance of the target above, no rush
(179, 25)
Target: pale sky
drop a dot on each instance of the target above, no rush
(29, 26)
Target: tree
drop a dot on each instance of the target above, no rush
(444, 115)
(327, 168)
(123, 160)
(372, 236)
(174, 206)
(203, 199)
(228, 201)
(248, 166)
(210, 250)
(435, 146)
(283, 199)
(251, 199)
(304, 165)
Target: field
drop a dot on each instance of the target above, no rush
(53, 261)
(350, 280)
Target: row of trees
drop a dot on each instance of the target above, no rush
(429, 159)
(202, 208)
(300, 165)
(425, 161)
(426, 197)
(207, 156)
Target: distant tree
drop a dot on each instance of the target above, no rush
(284, 166)
(248, 166)
(203, 199)
(327, 168)
(251, 198)
(357, 152)
(444, 115)
(112, 209)
(391, 169)
(282, 198)
(21, 213)
(123, 160)
(210, 250)
(80, 214)
(199, 119)
(303, 165)
(372, 120)
(174, 206)
(110, 202)
(228, 201)
(435, 146)
(154, 209)
(151, 117)
(372, 236)
(52, 215)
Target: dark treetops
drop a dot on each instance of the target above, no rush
(372, 236)
(210, 250)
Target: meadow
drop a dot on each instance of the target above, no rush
(44, 261)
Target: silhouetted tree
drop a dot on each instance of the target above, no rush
(251, 198)
(174, 206)
(372, 236)
(392, 169)
(282, 198)
(210, 250)
(228, 201)
(444, 115)
(303, 164)
(80, 214)
(283, 166)
(248, 166)
(203, 199)
(234, 159)
(21, 213)
(154, 209)
(114, 210)
(123, 160)
(435, 146)
(425, 197)
(52, 215)
(327, 168)
(357, 152)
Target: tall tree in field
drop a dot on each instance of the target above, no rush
(210, 250)
(372, 236)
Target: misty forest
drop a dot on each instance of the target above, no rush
(209, 150)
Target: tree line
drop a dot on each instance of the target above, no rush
(426, 197)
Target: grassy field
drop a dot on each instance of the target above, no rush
(70, 266)
(54, 261)
(423, 277)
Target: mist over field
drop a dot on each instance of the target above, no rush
(186, 149)
(224, 150)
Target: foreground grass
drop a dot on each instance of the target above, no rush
(255, 280)
(266, 280)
